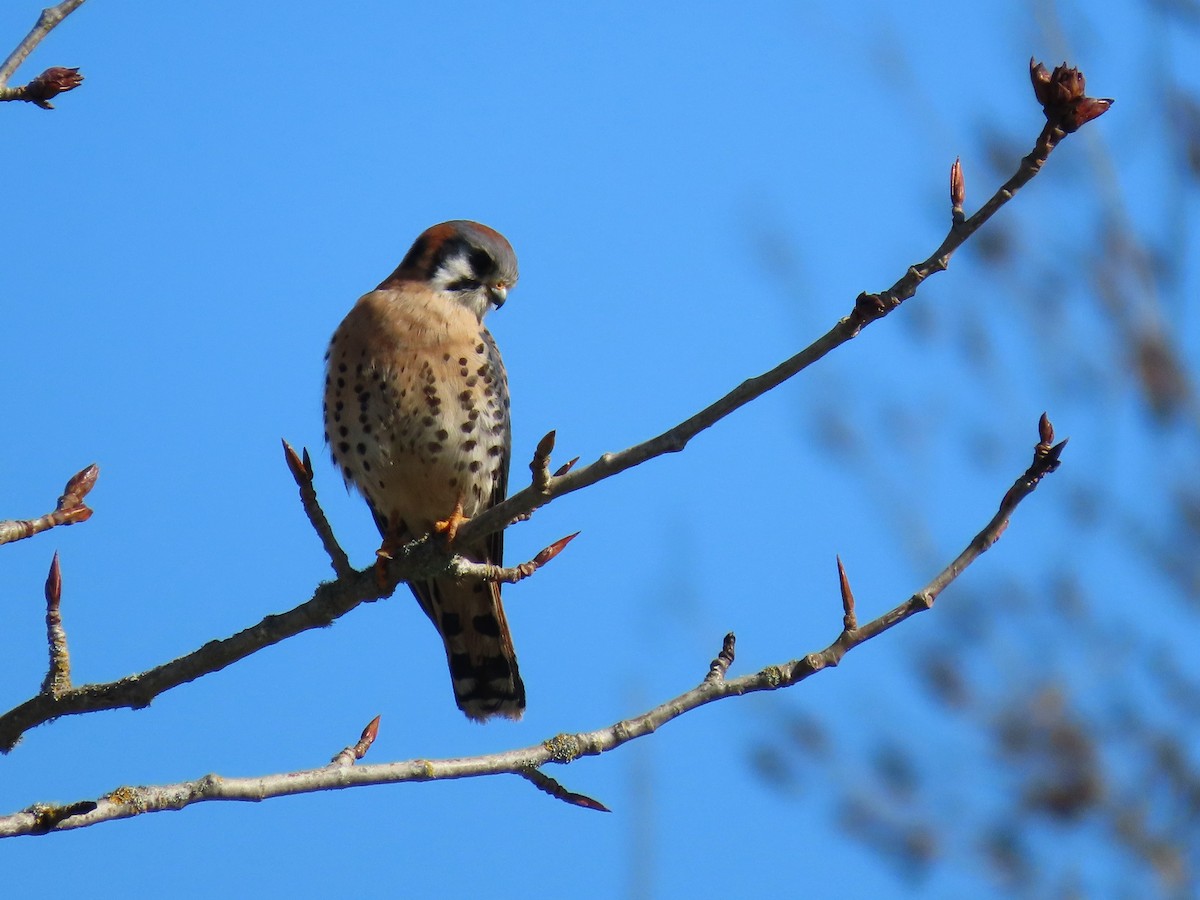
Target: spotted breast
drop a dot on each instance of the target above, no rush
(417, 418)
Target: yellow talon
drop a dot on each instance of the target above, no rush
(450, 525)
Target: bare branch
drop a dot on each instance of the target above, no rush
(302, 472)
(867, 309)
(512, 574)
(719, 667)
(329, 602)
(70, 510)
(54, 80)
(564, 748)
(429, 556)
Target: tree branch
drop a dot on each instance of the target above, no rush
(428, 556)
(70, 510)
(125, 802)
(54, 80)
(1065, 108)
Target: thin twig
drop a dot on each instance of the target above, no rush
(849, 617)
(302, 472)
(461, 566)
(427, 557)
(58, 675)
(45, 24)
(868, 308)
(70, 510)
(719, 667)
(329, 602)
(126, 802)
(357, 751)
(548, 785)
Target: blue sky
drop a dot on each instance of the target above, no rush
(694, 194)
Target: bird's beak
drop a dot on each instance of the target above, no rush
(499, 295)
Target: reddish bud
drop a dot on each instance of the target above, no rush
(553, 550)
(51, 83)
(1045, 429)
(546, 445)
(78, 487)
(544, 782)
(371, 731)
(367, 738)
(584, 801)
(1061, 94)
(958, 187)
(301, 469)
(566, 467)
(54, 583)
(1084, 111)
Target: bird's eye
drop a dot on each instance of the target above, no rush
(464, 284)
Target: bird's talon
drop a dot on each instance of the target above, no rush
(383, 556)
(381, 569)
(450, 525)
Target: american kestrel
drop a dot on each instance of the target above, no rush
(416, 414)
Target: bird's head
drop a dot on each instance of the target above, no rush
(471, 264)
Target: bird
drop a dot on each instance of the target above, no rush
(417, 419)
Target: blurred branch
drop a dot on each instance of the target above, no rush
(53, 81)
(70, 509)
(526, 762)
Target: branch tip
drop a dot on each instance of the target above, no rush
(719, 667)
(79, 486)
(302, 474)
(54, 81)
(348, 755)
(548, 785)
(54, 584)
(849, 617)
(958, 191)
(1046, 429)
(565, 467)
(58, 674)
(1061, 94)
(367, 738)
(301, 469)
(554, 549)
(546, 445)
(539, 466)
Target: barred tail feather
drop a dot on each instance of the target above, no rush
(479, 650)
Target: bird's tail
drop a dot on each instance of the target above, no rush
(479, 649)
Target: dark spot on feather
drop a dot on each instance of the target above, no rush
(486, 624)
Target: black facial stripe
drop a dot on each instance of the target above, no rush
(481, 262)
(464, 284)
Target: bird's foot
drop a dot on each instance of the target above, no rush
(450, 525)
(383, 556)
